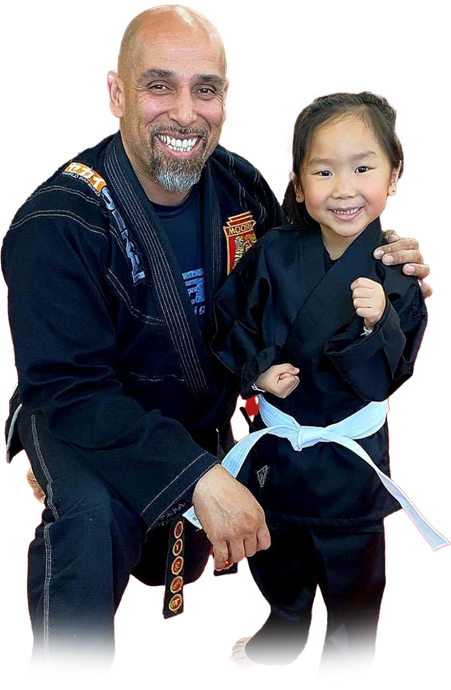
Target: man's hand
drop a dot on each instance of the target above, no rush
(38, 493)
(404, 251)
(232, 519)
(280, 380)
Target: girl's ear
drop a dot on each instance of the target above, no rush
(394, 180)
(297, 187)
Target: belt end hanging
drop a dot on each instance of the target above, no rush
(175, 570)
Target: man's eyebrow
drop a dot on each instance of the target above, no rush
(158, 73)
(212, 79)
(155, 73)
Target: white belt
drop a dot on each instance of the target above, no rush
(361, 424)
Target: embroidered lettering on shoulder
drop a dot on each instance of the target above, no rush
(240, 236)
(98, 184)
(84, 172)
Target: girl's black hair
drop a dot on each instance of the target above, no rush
(374, 110)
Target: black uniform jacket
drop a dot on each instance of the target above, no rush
(281, 305)
(106, 341)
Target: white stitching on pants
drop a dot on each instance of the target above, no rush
(37, 447)
(47, 542)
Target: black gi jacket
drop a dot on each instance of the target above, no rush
(106, 341)
(281, 305)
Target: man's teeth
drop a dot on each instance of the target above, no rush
(185, 145)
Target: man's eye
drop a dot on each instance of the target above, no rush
(157, 87)
(362, 169)
(206, 91)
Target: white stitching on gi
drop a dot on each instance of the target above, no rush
(47, 542)
(171, 482)
(166, 287)
(54, 213)
(77, 192)
(155, 379)
(122, 292)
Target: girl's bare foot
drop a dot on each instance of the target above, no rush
(239, 656)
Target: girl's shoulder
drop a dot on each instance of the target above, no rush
(281, 234)
(274, 242)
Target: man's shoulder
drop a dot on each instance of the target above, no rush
(235, 165)
(74, 188)
(240, 183)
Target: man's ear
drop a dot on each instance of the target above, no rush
(116, 93)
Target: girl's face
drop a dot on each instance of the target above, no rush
(345, 180)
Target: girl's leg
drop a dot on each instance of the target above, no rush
(286, 576)
(352, 581)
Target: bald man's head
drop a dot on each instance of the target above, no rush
(169, 94)
(149, 23)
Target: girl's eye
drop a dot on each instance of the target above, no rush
(362, 169)
(323, 173)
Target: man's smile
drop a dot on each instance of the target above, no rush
(178, 144)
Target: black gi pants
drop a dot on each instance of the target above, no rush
(86, 547)
(349, 568)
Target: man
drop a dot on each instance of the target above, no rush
(120, 407)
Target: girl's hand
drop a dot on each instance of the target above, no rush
(280, 380)
(369, 300)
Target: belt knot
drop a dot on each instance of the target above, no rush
(303, 436)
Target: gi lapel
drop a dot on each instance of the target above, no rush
(171, 291)
(213, 239)
(329, 304)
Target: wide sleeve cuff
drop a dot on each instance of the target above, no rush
(349, 351)
(252, 370)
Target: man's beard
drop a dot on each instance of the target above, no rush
(178, 174)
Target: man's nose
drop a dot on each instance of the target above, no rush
(183, 108)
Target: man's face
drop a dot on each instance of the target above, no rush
(174, 106)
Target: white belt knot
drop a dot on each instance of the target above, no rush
(361, 424)
(305, 436)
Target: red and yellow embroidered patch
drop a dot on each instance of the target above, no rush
(240, 235)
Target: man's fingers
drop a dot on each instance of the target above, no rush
(230, 516)
(426, 290)
(39, 494)
(420, 271)
(400, 252)
(404, 251)
(234, 552)
(220, 554)
(263, 538)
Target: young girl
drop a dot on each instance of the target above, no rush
(313, 321)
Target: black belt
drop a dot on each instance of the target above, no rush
(175, 569)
